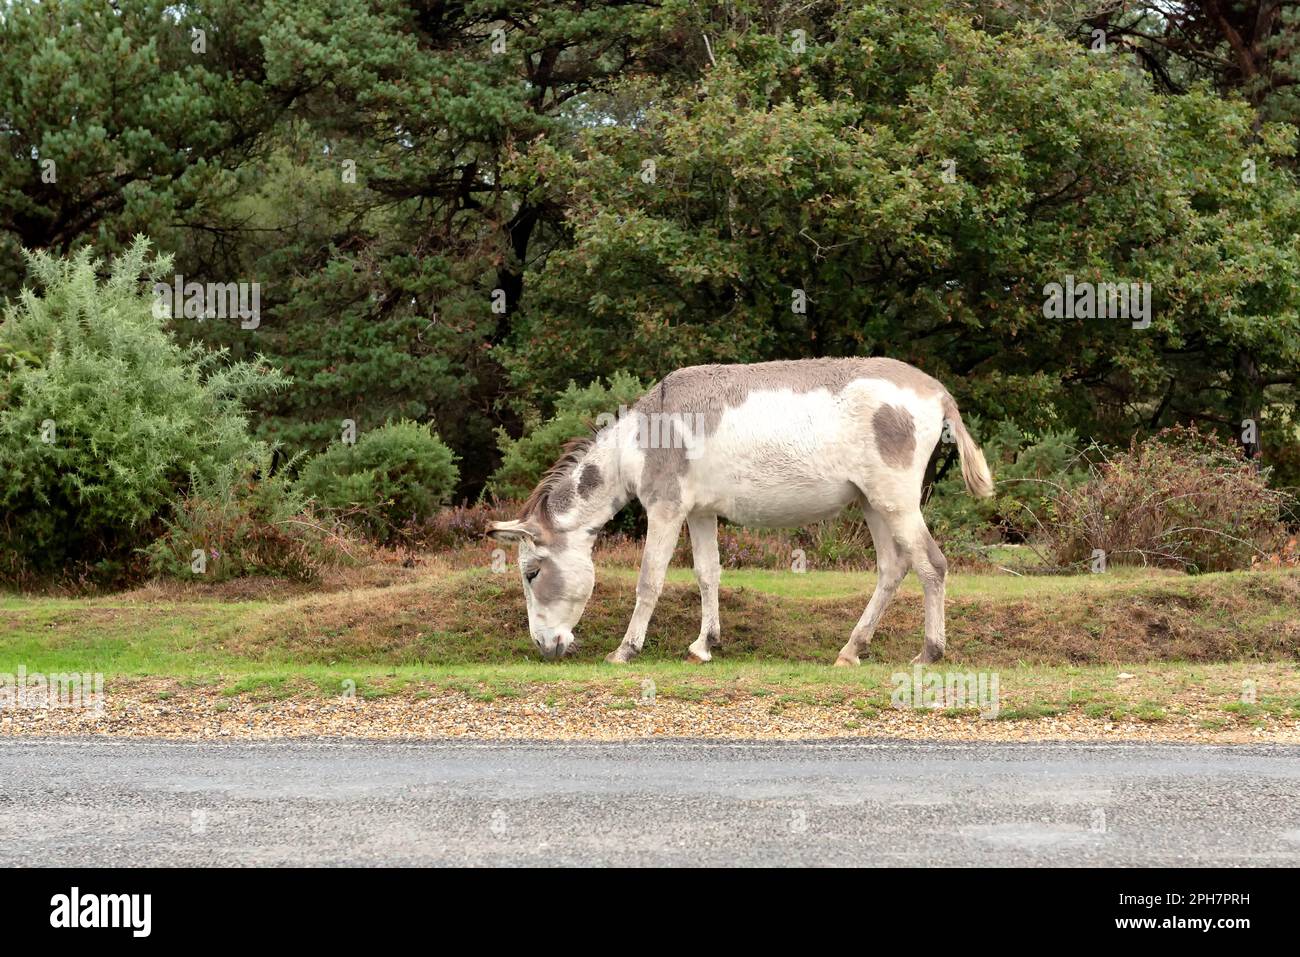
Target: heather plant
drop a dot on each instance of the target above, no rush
(1181, 499)
(460, 526)
(250, 519)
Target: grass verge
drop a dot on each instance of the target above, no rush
(1211, 655)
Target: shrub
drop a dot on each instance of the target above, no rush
(392, 476)
(1182, 499)
(524, 460)
(104, 418)
(839, 543)
(1029, 471)
(249, 520)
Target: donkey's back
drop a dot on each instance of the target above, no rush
(789, 443)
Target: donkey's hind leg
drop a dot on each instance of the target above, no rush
(708, 572)
(932, 568)
(891, 566)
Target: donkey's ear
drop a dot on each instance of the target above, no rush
(512, 531)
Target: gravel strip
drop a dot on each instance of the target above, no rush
(206, 714)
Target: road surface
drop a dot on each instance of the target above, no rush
(104, 802)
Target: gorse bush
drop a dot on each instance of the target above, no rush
(1182, 499)
(392, 477)
(250, 519)
(105, 419)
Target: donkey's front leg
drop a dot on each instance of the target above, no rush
(708, 572)
(660, 541)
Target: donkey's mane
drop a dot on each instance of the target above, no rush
(536, 503)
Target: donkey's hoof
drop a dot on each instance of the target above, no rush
(843, 662)
(615, 658)
(700, 650)
(928, 657)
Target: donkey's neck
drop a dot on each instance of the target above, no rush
(590, 491)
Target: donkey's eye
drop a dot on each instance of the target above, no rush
(529, 576)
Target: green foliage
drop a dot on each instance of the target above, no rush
(1182, 499)
(841, 542)
(248, 519)
(524, 460)
(105, 419)
(114, 124)
(447, 232)
(391, 477)
(1192, 44)
(381, 287)
(922, 181)
(1028, 470)
(369, 331)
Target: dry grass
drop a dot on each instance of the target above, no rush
(436, 615)
(478, 617)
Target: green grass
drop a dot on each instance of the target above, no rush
(1027, 693)
(1030, 712)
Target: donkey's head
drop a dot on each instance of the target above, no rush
(558, 577)
(555, 533)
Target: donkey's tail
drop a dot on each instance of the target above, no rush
(974, 470)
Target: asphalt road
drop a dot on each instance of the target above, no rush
(104, 802)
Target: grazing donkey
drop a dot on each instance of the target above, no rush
(776, 444)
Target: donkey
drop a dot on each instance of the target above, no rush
(776, 444)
